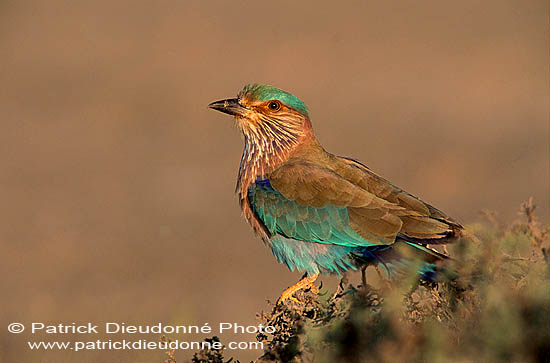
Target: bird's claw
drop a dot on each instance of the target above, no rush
(344, 281)
(306, 283)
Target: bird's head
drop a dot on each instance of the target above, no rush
(267, 115)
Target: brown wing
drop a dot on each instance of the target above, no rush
(426, 225)
(375, 219)
(378, 211)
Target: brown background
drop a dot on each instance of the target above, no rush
(116, 180)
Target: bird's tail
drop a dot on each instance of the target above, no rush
(403, 257)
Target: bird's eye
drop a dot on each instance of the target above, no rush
(274, 105)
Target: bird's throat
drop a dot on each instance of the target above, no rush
(261, 156)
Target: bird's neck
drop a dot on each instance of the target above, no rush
(267, 147)
(261, 156)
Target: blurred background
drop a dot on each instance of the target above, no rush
(117, 181)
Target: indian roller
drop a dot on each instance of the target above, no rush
(322, 213)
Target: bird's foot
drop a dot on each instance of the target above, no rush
(341, 287)
(364, 276)
(304, 284)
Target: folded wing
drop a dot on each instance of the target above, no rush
(343, 206)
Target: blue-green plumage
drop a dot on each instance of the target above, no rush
(329, 225)
(321, 240)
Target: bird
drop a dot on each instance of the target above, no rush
(321, 213)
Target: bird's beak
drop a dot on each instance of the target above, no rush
(230, 106)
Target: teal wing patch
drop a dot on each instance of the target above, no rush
(330, 224)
